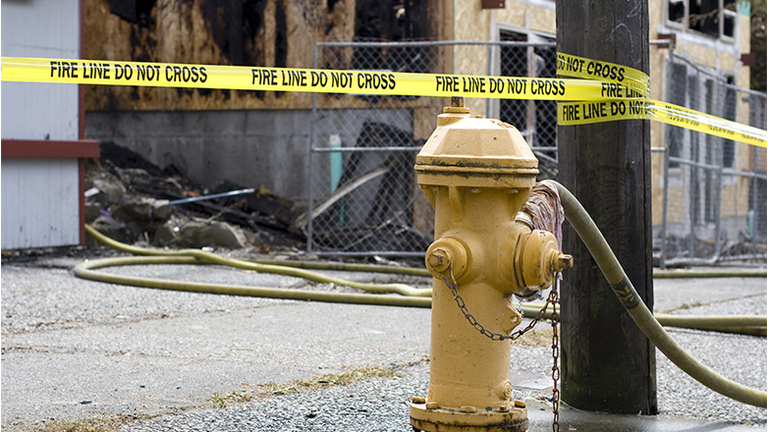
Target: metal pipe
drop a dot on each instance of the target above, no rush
(665, 198)
(489, 73)
(214, 196)
(717, 213)
(433, 43)
(664, 205)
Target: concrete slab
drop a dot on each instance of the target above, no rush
(73, 348)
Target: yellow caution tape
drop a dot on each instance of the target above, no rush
(579, 67)
(306, 80)
(610, 87)
(587, 112)
(576, 113)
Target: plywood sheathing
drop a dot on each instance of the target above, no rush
(201, 32)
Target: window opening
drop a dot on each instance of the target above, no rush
(716, 18)
(675, 134)
(703, 16)
(676, 11)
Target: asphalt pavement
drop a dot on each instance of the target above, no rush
(74, 349)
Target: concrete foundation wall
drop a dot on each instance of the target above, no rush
(249, 147)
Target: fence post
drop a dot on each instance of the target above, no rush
(665, 203)
(311, 160)
(490, 73)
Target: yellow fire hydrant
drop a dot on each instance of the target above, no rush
(477, 173)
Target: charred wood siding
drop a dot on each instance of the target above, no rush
(230, 32)
(243, 32)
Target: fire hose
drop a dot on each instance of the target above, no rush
(598, 247)
(406, 296)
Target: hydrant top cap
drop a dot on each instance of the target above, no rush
(476, 147)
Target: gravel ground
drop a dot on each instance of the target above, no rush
(736, 357)
(379, 405)
(30, 303)
(382, 405)
(35, 305)
(373, 405)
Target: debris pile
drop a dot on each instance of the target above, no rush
(132, 200)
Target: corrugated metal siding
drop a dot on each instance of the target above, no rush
(40, 206)
(40, 28)
(39, 111)
(39, 202)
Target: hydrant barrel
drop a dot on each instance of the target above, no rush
(477, 173)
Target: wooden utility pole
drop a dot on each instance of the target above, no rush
(607, 363)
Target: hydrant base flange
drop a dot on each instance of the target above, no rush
(447, 420)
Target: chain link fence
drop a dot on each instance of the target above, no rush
(709, 192)
(364, 199)
(714, 189)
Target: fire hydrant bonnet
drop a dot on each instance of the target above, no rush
(470, 151)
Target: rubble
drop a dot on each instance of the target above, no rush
(368, 211)
(132, 200)
(199, 234)
(109, 190)
(144, 209)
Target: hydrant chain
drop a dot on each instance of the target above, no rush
(554, 300)
(453, 286)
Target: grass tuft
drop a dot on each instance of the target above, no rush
(328, 380)
(95, 424)
(229, 399)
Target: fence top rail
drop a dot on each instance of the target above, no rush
(756, 175)
(743, 90)
(696, 164)
(364, 149)
(371, 44)
(723, 171)
(720, 79)
(434, 43)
